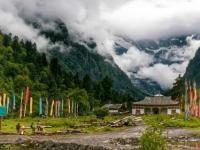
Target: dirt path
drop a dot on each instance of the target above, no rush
(85, 139)
(97, 139)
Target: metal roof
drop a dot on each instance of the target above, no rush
(113, 106)
(156, 100)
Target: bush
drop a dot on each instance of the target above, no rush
(152, 139)
(101, 112)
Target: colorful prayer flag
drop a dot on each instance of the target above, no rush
(27, 96)
(52, 106)
(40, 105)
(31, 105)
(59, 106)
(0, 100)
(7, 105)
(69, 108)
(47, 107)
(62, 107)
(14, 102)
(21, 105)
(4, 99)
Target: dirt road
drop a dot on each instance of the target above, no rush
(96, 139)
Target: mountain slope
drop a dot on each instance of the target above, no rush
(192, 71)
(171, 53)
(80, 57)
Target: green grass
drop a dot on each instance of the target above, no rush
(168, 121)
(9, 125)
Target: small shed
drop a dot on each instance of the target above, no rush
(156, 105)
(114, 108)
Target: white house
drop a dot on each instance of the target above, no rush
(156, 105)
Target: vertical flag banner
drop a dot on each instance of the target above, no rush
(56, 106)
(40, 104)
(77, 109)
(72, 107)
(51, 111)
(186, 101)
(21, 105)
(14, 102)
(198, 104)
(194, 98)
(59, 106)
(47, 107)
(4, 99)
(0, 100)
(31, 106)
(62, 107)
(69, 109)
(191, 100)
(27, 97)
(8, 103)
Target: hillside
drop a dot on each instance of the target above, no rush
(80, 57)
(56, 74)
(192, 71)
(171, 53)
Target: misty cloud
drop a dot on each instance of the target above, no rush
(105, 20)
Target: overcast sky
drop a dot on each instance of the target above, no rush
(105, 20)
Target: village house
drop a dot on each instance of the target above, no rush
(115, 108)
(156, 105)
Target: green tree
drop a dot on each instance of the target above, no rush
(81, 97)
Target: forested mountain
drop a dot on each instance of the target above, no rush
(170, 52)
(193, 69)
(80, 57)
(58, 74)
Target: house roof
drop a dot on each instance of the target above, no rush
(113, 106)
(156, 100)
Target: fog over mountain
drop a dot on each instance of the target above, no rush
(115, 24)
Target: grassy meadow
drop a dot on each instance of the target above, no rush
(9, 125)
(173, 121)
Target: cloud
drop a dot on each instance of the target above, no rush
(163, 74)
(132, 60)
(10, 22)
(142, 65)
(106, 20)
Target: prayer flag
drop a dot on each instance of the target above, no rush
(27, 96)
(21, 105)
(40, 105)
(0, 100)
(31, 105)
(14, 102)
(8, 103)
(47, 107)
(59, 106)
(51, 111)
(69, 109)
(4, 99)
(62, 107)
(56, 108)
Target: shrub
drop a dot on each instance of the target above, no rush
(101, 112)
(152, 139)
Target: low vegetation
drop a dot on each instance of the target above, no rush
(101, 112)
(152, 139)
(59, 124)
(168, 121)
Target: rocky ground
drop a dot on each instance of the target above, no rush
(123, 140)
(98, 140)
